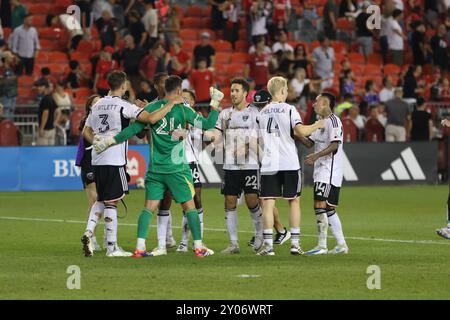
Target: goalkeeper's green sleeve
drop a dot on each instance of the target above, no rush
(129, 131)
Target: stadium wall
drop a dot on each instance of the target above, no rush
(53, 168)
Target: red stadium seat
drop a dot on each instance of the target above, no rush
(374, 130)
(195, 11)
(375, 58)
(356, 57)
(189, 45)
(339, 56)
(226, 92)
(75, 120)
(206, 22)
(236, 70)
(371, 69)
(81, 93)
(80, 56)
(332, 91)
(239, 57)
(223, 81)
(189, 34)
(222, 58)
(391, 69)
(85, 47)
(350, 130)
(339, 47)
(25, 81)
(6, 32)
(8, 133)
(58, 57)
(39, 20)
(192, 23)
(242, 45)
(221, 69)
(49, 45)
(222, 45)
(344, 24)
(42, 57)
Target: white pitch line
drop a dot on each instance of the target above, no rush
(224, 230)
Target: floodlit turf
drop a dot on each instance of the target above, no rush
(34, 255)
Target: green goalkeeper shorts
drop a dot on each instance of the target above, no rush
(180, 184)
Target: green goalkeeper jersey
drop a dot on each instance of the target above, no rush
(167, 154)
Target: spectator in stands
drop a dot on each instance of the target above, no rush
(130, 58)
(18, 14)
(365, 36)
(384, 30)
(108, 30)
(76, 74)
(330, 16)
(259, 13)
(151, 63)
(387, 93)
(171, 26)
(201, 80)
(282, 43)
(8, 141)
(398, 118)
(46, 115)
(358, 119)
(137, 29)
(180, 62)
(444, 90)
(381, 114)
(104, 66)
(281, 11)
(252, 91)
(347, 8)
(150, 21)
(8, 84)
(217, 19)
(348, 85)
(62, 99)
(439, 47)
(257, 66)
(2, 34)
(145, 92)
(396, 37)
(205, 50)
(98, 7)
(231, 23)
(287, 65)
(25, 44)
(422, 123)
(419, 45)
(324, 62)
(252, 48)
(344, 105)
(71, 25)
(300, 57)
(371, 93)
(85, 10)
(300, 85)
(411, 87)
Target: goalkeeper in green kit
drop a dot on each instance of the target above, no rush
(167, 168)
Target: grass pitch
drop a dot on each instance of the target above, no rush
(391, 227)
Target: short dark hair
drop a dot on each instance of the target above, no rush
(45, 71)
(396, 13)
(331, 98)
(73, 64)
(116, 79)
(420, 101)
(157, 78)
(172, 83)
(191, 93)
(369, 83)
(242, 82)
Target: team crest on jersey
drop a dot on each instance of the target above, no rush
(245, 118)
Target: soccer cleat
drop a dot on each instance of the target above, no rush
(203, 252)
(259, 241)
(266, 250)
(88, 248)
(339, 249)
(296, 250)
(141, 254)
(444, 232)
(317, 250)
(231, 249)
(158, 252)
(281, 238)
(182, 247)
(170, 243)
(251, 242)
(118, 252)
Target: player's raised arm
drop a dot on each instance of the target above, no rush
(205, 123)
(158, 114)
(301, 130)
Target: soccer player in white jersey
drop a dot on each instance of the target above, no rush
(108, 117)
(445, 231)
(193, 143)
(236, 128)
(280, 167)
(328, 174)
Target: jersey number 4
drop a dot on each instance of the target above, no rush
(269, 126)
(104, 122)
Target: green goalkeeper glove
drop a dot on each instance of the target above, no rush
(102, 143)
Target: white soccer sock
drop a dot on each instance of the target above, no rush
(295, 236)
(163, 219)
(198, 244)
(268, 237)
(111, 226)
(184, 229)
(256, 214)
(231, 217)
(140, 245)
(169, 233)
(200, 216)
(336, 226)
(97, 208)
(322, 224)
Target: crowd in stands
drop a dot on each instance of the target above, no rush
(384, 78)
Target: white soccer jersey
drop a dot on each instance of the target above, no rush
(276, 124)
(107, 118)
(193, 144)
(328, 169)
(238, 128)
